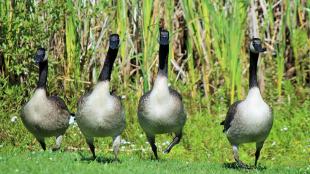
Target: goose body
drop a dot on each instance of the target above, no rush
(45, 116)
(252, 120)
(45, 120)
(249, 120)
(161, 109)
(101, 114)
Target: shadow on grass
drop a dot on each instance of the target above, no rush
(149, 157)
(236, 166)
(104, 160)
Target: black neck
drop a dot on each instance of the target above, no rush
(43, 67)
(253, 70)
(108, 65)
(163, 59)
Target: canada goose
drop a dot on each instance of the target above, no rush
(161, 109)
(101, 114)
(249, 120)
(45, 116)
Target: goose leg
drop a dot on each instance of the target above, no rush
(174, 142)
(90, 142)
(151, 140)
(259, 146)
(58, 143)
(236, 156)
(42, 143)
(116, 144)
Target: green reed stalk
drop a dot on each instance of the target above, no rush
(72, 43)
(122, 29)
(150, 36)
(238, 28)
(299, 41)
(281, 52)
(228, 30)
(169, 10)
(190, 17)
(147, 10)
(207, 42)
(191, 68)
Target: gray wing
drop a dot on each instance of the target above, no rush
(119, 100)
(120, 109)
(230, 115)
(175, 93)
(183, 112)
(83, 97)
(142, 102)
(113, 93)
(59, 102)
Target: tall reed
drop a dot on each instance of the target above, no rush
(213, 57)
(72, 43)
(149, 34)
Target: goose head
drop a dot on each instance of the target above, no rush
(256, 46)
(164, 37)
(114, 41)
(40, 56)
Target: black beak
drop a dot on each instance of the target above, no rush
(164, 37)
(39, 57)
(114, 41)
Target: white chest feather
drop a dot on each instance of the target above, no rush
(253, 110)
(163, 112)
(101, 114)
(161, 103)
(100, 102)
(37, 107)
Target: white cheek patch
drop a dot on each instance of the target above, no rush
(252, 48)
(45, 56)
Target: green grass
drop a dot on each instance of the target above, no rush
(73, 162)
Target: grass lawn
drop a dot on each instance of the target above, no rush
(15, 161)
